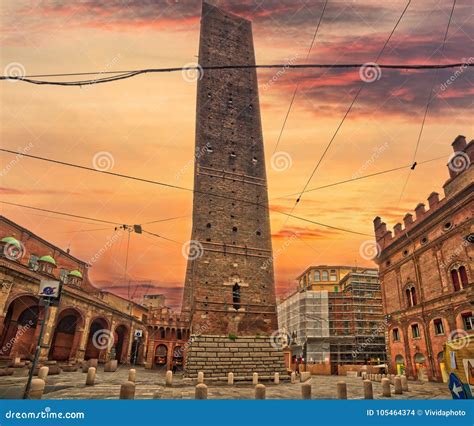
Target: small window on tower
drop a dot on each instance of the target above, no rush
(254, 160)
(209, 149)
(236, 296)
(234, 229)
(208, 225)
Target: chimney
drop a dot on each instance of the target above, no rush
(397, 229)
(433, 199)
(420, 210)
(408, 220)
(379, 227)
(459, 144)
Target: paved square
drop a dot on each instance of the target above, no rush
(71, 385)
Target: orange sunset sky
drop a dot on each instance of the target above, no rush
(146, 124)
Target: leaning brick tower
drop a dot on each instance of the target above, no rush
(229, 293)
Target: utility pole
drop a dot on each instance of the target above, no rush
(38, 347)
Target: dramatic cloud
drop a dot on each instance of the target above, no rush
(302, 232)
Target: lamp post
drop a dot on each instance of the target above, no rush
(49, 292)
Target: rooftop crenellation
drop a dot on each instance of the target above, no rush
(459, 165)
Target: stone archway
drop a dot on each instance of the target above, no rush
(121, 343)
(98, 340)
(420, 367)
(161, 356)
(443, 375)
(66, 336)
(178, 353)
(400, 364)
(19, 336)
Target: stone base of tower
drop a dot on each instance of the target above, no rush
(217, 356)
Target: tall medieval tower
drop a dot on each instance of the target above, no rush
(229, 293)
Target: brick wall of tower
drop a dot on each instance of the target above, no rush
(230, 165)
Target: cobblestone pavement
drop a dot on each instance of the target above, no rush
(151, 383)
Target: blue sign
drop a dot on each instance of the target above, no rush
(236, 413)
(456, 387)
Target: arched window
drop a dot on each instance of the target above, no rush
(411, 296)
(325, 276)
(162, 333)
(236, 296)
(455, 279)
(463, 276)
(459, 277)
(317, 276)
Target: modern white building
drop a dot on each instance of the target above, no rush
(304, 318)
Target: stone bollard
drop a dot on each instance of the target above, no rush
(306, 391)
(132, 375)
(305, 376)
(392, 378)
(276, 378)
(293, 377)
(404, 383)
(386, 388)
(230, 378)
(398, 385)
(201, 391)
(93, 363)
(200, 378)
(368, 391)
(341, 390)
(43, 373)
(260, 391)
(169, 378)
(36, 389)
(127, 390)
(90, 380)
(255, 378)
(110, 366)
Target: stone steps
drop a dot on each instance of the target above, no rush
(216, 356)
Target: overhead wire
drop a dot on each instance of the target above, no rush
(298, 83)
(361, 85)
(199, 68)
(381, 172)
(172, 186)
(428, 102)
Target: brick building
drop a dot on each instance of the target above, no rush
(229, 292)
(426, 272)
(87, 323)
(335, 318)
(168, 335)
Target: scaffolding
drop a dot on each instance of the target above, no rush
(346, 327)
